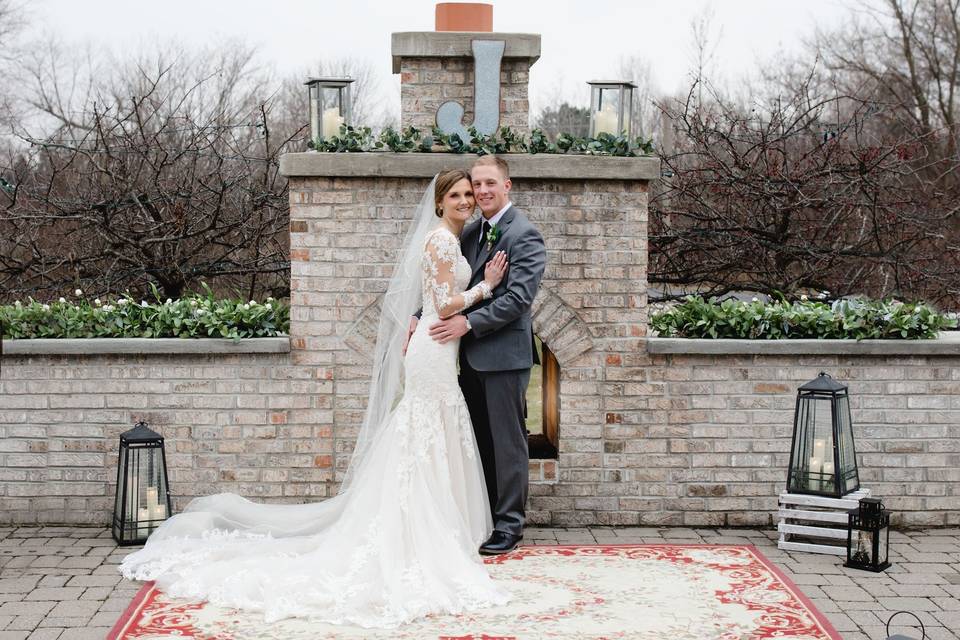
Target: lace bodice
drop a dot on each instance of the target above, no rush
(446, 274)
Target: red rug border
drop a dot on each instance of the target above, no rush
(140, 599)
(792, 586)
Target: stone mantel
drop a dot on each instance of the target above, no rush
(449, 44)
(165, 346)
(948, 344)
(426, 165)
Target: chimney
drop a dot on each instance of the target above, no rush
(464, 16)
(438, 67)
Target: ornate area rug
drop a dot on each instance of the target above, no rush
(674, 591)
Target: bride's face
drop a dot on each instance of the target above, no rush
(458, 202)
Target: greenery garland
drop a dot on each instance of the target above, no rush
(412, 140)
(855, 318)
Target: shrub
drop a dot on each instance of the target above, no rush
(197, 316)
(856, 318)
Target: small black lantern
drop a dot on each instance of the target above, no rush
(143, 496)
(823, 460)
(868, 536)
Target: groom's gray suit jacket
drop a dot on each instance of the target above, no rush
(502, 335)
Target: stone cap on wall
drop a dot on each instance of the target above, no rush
(454, 44)
(426, 165)
(107, 346)
(948, 344)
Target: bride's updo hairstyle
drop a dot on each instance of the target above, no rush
(445, 182)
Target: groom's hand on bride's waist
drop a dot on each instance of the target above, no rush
(449, 329)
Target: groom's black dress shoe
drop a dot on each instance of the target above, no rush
(500, 542)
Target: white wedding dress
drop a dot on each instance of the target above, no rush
(400, 543)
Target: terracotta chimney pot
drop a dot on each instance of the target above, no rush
(464, 16)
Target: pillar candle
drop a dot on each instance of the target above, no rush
(605, 121)
(331, 122)
(133, 500)
(158, 511)
(828, 475)
(143, 529)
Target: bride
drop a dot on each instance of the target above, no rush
(400, 540)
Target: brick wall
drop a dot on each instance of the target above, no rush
(426, 83)
(651, 440)
(704, 440)
(645, 438)
(253, 424)
(344, 235)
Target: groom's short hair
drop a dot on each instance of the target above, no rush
(494, 161)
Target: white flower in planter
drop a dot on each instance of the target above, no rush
(193, 303)
(268, 306)
(169, 301)
(108, 308)
(78, 292)
(62, 299)
(122, 301)
(97, 302)
(16, 303)
(46, 307)
(804, 298)
(253, 303)
(143, 303)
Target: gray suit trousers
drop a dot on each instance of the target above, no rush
(497, 404)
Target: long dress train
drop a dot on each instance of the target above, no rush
(400, 543)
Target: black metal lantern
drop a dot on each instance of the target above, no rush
(329, 105)
(143, 497)
(823, 461)
(868, 536)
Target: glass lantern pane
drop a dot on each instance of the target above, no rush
(315, 110)
(606, 111)
(883, 545)
(849, 480)
(146, 491)
(628, 112)
(813, 445)
(331, 114)
(863, 550)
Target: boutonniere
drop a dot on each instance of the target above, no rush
(493, 234)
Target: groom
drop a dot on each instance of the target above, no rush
(496, 352)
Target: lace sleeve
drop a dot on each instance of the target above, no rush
(439, 262)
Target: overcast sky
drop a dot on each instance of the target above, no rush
(581, 39)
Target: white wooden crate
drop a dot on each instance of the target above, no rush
(816, 524)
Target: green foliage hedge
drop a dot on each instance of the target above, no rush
(856, 318)
(412, 140)
(196, 316)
